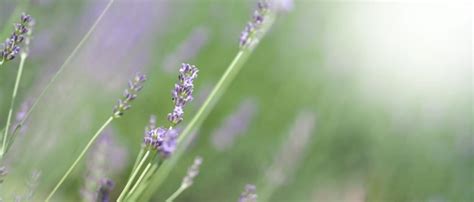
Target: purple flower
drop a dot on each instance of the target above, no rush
(182, 92)
(249, 194)
(106, 186)
(163, 140)
(10, 47)
(247, 37)
(134, 86)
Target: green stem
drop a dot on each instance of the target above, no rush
(139, 156)
(145, 171)
(146, 182)
(66, 62)
(176, 194)
(132, 177)
(81, 155)
(12, 102)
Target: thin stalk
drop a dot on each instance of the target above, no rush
(12, 102)
(66, 62)
(176, 194)
(139, 156)
(81, 155)
(144, 172)
(145, 183)
(132, 177)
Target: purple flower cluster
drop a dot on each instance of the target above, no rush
(249, 194)
(182, 92)
(11, 46)
(106, 186)
(134, 86)
(163, 139)
(247, 36)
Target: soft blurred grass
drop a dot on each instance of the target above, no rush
(357, 145)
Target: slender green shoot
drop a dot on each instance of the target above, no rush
(176, 194)
(144, 172)
(81, 155)
(23, 57)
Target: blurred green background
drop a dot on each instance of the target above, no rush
(383, 91)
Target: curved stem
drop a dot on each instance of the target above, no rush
(81, 155)
(132, 177)
(176, 194)
(66, 62)
(12, 102)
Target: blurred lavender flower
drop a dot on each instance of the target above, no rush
(248, 36)
(31, 186)
(188, 49)
(104, 160)
(134, 86)
(182, 93)
(292, 149)
(234, 125)
(285, 5)
(106, 186)
(249, 194)
(3, 173)
(11, 46)
(20, 115)
(193, 171)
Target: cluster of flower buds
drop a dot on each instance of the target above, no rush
(11, 46)
(248, 36)
(182, 92)
(162, 139)
(134, 86)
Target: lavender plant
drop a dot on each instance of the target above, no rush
(262, 20)
(162, 141)
(11, 48)
(162, 146)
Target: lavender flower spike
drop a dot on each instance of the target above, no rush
(248, 37)
(249, 194)
(193, 171)
(182, 92)
(134, 86)
(11, 46)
